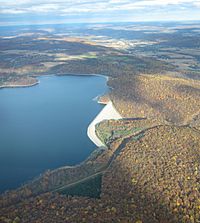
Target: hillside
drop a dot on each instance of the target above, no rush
(173, 99)
(153, 179)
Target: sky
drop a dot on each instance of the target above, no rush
(19, 12)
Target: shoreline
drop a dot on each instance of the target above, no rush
(19, 85)
(107, 113)
(49, 75)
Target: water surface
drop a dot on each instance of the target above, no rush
(45, 126)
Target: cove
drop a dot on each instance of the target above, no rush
(45, 126)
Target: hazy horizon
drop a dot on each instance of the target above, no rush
(29, 12)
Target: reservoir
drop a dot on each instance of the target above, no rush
(45, 126)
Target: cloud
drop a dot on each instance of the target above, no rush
(79, 6)
(12, 11)
(146, 9)
(197, 3)
(44, 8)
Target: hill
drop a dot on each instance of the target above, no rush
(163, 97)
(155, 178)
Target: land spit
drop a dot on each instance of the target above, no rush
(19, 85)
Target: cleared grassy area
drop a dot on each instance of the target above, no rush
(108, 132)
(89, 188)
(76, 57)
(138, 137)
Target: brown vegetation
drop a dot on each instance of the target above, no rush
(153, 179)
(175, 100)
(157, 178)
(14, 81)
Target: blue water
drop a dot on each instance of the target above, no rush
(45, 126)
